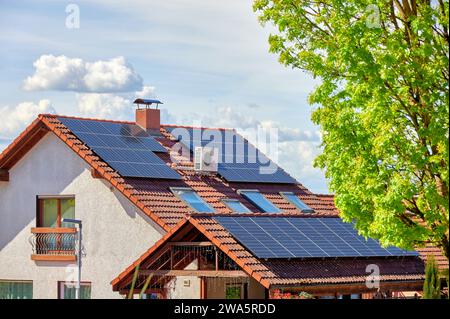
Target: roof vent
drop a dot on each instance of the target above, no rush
(206, 159)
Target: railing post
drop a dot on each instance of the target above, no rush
(79, 261)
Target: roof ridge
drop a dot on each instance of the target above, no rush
(84, 118)
(199, 127)
(130, 122)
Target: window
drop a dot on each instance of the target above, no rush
(67, 290)
(256, 198)
(51, 211)
(233, 292)
(192, 199)
(236, 206)
(293, 199)
(12, 289)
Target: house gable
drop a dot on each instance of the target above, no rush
(51, 168)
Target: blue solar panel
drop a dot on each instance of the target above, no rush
(127, 148)
(293, 237)
(122, 135)
(239, 161)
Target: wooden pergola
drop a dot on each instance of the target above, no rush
(171, 259)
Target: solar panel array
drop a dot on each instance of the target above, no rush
(127, 148)
(290, 237)
(239, 161)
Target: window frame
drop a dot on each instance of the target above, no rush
(308, 209)
(225, 200)
(174, 191)
(40, 208)
(243, 191)
(61, 284)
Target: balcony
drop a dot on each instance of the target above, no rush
(53, 244)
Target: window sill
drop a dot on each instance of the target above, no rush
(53, 230)
(38, 257)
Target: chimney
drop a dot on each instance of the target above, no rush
(148, 118)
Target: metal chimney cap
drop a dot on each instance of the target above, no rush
(147, 102)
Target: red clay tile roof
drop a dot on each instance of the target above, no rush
(305, 272)
(157, 201)
(154, 197)
(439, 257)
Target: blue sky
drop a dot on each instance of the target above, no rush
(207, 60)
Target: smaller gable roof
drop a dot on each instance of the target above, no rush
(284, 272)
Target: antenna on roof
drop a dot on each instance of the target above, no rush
(147, 102)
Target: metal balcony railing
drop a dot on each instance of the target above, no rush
(53, 241)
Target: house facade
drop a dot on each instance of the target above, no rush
(143, 202)
(50, 173)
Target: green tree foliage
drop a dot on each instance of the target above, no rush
(432, 284)
(382, 107)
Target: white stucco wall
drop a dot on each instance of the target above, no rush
(115, 232)
(177, 289)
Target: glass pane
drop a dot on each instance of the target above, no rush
(70, 291)
(236, 206)
(67, 210)
(233, 292)
(49, 214)
(195, 201)
(16, 290)
(291, 197)
(259, 200)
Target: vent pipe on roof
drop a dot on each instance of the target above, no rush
(148, 118)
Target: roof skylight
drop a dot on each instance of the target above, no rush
(293, 199)
(192, 199)
(235, 206)
(257, 199)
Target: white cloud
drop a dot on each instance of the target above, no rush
(146, 92)
(117, 107)
(287, 134)
(73, 74)
(16, 118)
(297, 157)
(105, 106)
(227, 117)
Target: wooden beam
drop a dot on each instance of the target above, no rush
(197, 273)
(203, 290)
(216, 259)
(95, 173)
(191, 243)
(138, 290)
(4, 175)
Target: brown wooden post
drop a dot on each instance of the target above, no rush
(203, 290)
(217, 260)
